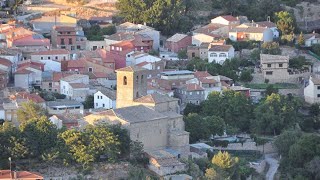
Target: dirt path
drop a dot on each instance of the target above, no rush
(273, 165)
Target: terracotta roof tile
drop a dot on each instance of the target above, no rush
(223, 48)
(64, 28)
(5, 62)
(192, 87)
(31, 97)
(78, 85)
(229, 18)
(52, 52)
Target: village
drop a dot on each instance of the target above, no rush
(230, 88)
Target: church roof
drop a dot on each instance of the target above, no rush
(135, 114)
(131, 69)
(155, 98)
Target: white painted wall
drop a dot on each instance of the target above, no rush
(102, 101)
(198, 39)
(50, 65)
(219, 56)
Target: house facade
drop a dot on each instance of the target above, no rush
(178, 42)
(312, 90)
(53, 54)
(69, 38)
(105, 99)
(226, 20)
(219, 53)
(75, 87)
(190, 93)
(245, 33)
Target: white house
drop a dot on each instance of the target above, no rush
(199, 38)
(219, 53)
(51, 65)
(270, 25)
(27, 77)
(226, 20)
(75, 87)
(312, 90)
(311, 39)
(105, 98)
(247, 33)
(136, 57)
(54, 54)
(13, 55)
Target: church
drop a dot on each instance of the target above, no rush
(152, 119)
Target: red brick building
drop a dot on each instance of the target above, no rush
(178, 42)
(67, 37)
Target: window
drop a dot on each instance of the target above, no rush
(41, 58)
(72, 47)
(96, 104)
(98, 97)
(56, 57)
(269, 65)
(49, 57)
(137, 94)
(269, 73)
(68, 32)
(62, 41)
(222, 55)
(125, 80)
(90, 69)
(318, 95)
(141, 79)
(318, 87)
(78, 47)
(103, 105)
(213, 55)
(193, 54)
(94, 47)
(281, 65)
(70, 40)
(137, 79)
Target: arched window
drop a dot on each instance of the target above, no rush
(222, 55)
(137, 79)
(213, 55)
(125, 80)
(141, 79)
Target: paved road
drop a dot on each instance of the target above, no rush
(273, 166)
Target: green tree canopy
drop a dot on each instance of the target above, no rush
(285, 22)
(30, 110)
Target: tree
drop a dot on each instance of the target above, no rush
(40, 135)
(91, 144)
(224, 160)
(270, 48)
(315, 109)
(211, 174)
(285, 22)
(271, 90)
(89, 102)
(285, 140)
(255, 55)
(299, 63)
(182, 54)
(246, 76)
(275, 114)
(301, 40)
(191, 108)
(316, 49)
(132, 10)
(314, 167)
(234, 107)
(30, 110)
